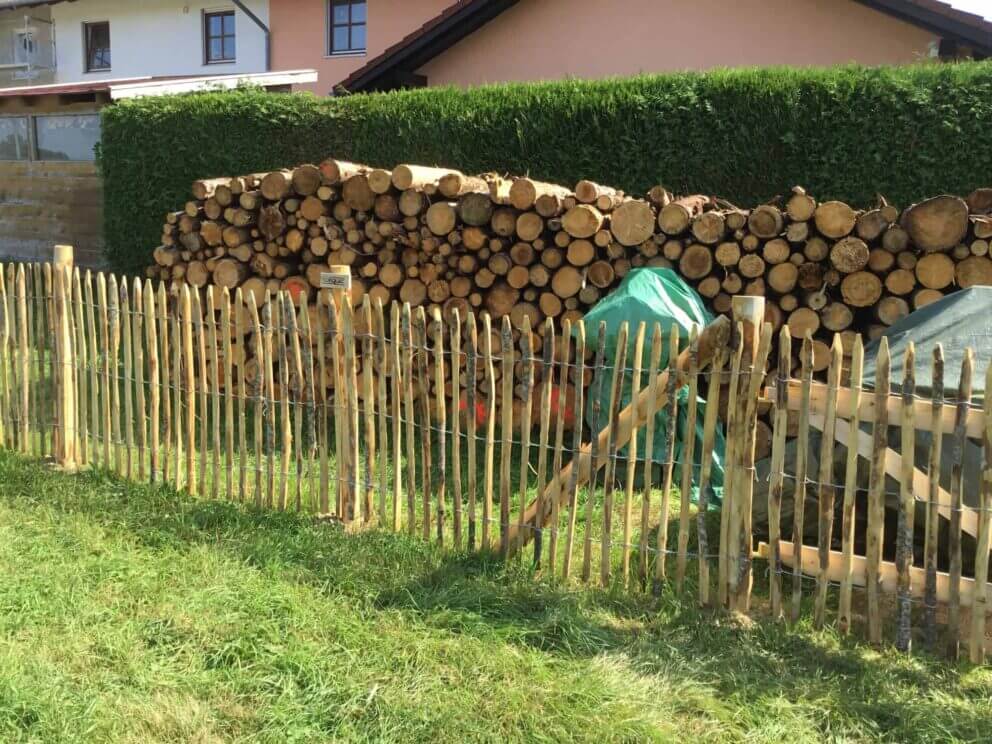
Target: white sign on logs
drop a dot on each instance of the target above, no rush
(329, 280)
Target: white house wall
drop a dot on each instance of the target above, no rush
(154, 37)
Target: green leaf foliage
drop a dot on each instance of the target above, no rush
(746, 135)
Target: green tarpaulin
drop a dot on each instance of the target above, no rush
(651, 296)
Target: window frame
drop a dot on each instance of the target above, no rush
(33, 135)
(86, 47)
(30, 152)
(207, 15)
(330, 25)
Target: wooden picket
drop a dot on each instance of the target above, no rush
(439, 424)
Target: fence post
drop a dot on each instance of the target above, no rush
(750, 311)
(65, 452)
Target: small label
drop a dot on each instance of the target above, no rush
(335, 281)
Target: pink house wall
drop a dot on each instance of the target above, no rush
(548, 39)
(299, 35)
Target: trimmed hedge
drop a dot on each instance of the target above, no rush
(746, 135)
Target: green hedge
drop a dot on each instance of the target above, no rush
(745, 135)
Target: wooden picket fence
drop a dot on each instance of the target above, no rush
(417, 427)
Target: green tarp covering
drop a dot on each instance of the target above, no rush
(652, 296)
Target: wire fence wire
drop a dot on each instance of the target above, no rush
(496, 441)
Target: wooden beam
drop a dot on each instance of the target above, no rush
(715, 336)
(922, 409)
(889, 575)
(893, 467)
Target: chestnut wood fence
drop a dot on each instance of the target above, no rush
(447, 428)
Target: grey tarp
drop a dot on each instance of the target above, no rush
(958, 321)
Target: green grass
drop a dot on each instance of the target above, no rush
(132, 613)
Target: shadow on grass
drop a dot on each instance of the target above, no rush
(752, 663)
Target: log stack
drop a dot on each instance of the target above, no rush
(518, 247)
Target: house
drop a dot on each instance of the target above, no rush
(61, 61)
(384, 44)
(72, 41)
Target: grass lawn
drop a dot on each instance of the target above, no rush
(132, 613)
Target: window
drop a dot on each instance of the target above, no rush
(67, 137)
(14, 144)
(347, 27)
(218, 37)
(97, 39)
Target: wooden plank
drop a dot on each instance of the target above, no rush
(705, 470)
(755, 377)
(308, 442)
(127, 382)
(399, 373)
(114, 315)
(339, 410)
(876, 492)
(688, 460)
(544, 413)
(490, 445)
(957, 471)
(424, 396)
(556, 459)
(408, 400)
(296, 394)
(526, 412)
(320, 331)
(922, 410)
(850, 485)
(892, 464)
(351, 372)
(506, 433)
(661, 561)
(139, 380)
(82, 361)
(612, 447)
(727, 509)
(228, 374)
(258, 389)
(628, 496)
(202, 384)
(907, 504)
(599, 380)
(24, 357)
(4, 357)
(138, 366)
(213, 380)
(270, 321)
(777, 474)
(471, 422)
(177, 398)
(799, 498)
(284, 308)
(442, 419)
(38, 347)
(888, 573)
(578, 416)
(154, 380)
(381, 346)
(162, 318)
(827, 491)
(932, 534)
(6, 439)
(189, 370)
(456, 433)
(106, 348)
(980, 602)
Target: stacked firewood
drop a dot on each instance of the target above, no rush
(426, 236)
(437, 238)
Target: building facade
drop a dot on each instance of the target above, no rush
(473, 42)
(92, 40)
